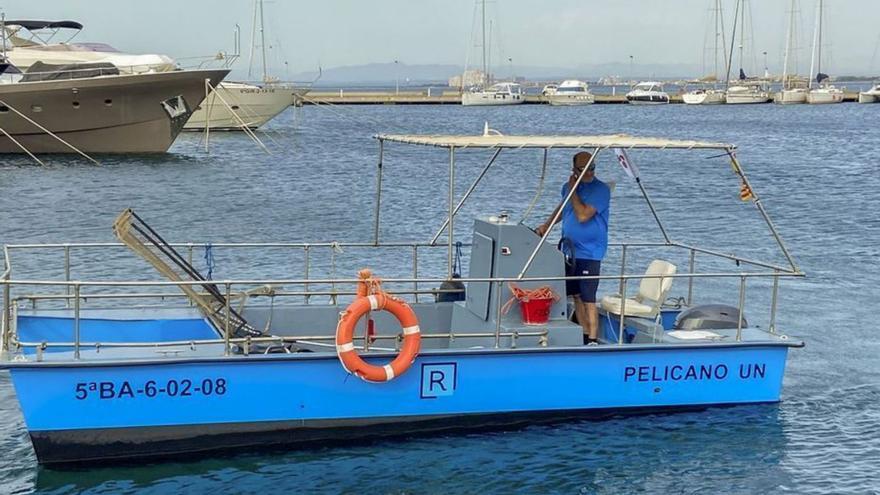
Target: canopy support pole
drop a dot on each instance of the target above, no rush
(737, 167)
(451, 230)
(466, 195)
(378, 193)
(653, 211)
(556, 216)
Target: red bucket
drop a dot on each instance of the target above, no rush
(536, 311)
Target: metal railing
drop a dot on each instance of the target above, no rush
(77, 292)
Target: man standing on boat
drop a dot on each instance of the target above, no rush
(585, 229)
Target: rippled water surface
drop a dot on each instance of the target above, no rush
(814, 167)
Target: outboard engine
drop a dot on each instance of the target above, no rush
(709, 316)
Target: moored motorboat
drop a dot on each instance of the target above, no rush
(94, 109)
(704, 96)
(504, 93)
(647, 93)
(152, 375)
(233, 105)
(747, 93)
(570, 93)
(870, 96)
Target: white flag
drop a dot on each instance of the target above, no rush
(628, 166)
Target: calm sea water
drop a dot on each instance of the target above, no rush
(814, 167)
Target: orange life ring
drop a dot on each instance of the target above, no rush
(350, 359)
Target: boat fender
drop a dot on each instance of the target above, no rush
(348, 319)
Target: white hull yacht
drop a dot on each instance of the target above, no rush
(745, 94)
(824, 93)
(234, 105)
(571, 93)
(791, 96)
(794, 89)
(647, 93)
(497, 94)
(870, 96)
(704, 97)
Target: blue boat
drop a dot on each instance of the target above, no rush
(118, 370)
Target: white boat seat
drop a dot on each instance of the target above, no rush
(652, 293)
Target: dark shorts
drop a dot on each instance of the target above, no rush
(585, 288)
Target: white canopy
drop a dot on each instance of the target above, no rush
(501, 141)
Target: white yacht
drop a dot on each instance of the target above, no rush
(870, 96)
(549, 89)
(505, 93)
(240, 105)
(571, 93)
(748, 92)
(648, 93)
(824, 92)
(486, 93)
(704, 96)
(234, 105)
(793, 90)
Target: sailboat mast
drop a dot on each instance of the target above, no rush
(732, 42)
(816, 26)
(723, 36)
(253, 43)
(485, 75)
(742, 36)
(819, 46)
(263, 43)
(785, 84)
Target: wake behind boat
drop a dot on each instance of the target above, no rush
(114, 370)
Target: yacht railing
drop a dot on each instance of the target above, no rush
(74, 290)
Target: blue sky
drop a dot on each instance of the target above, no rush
(562, 33)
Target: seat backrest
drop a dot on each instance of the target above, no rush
(655, 289)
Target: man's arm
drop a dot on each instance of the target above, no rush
(544, 227)
(582, 211)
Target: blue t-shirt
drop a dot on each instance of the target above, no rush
(590, 238)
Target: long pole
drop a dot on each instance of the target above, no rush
(263, 43)
(816, 25)
(787, 47)
(451, 209)
(485, 75)
(732, 42)
(253, 42)
(378, 192)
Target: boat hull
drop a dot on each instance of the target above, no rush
(824, 97)
(118, 411)
(867, 97)
(132, 113)
(249, 106)
(479, 99)
(790, 97)
(703, 98)
(558, 100)
(747, 99)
